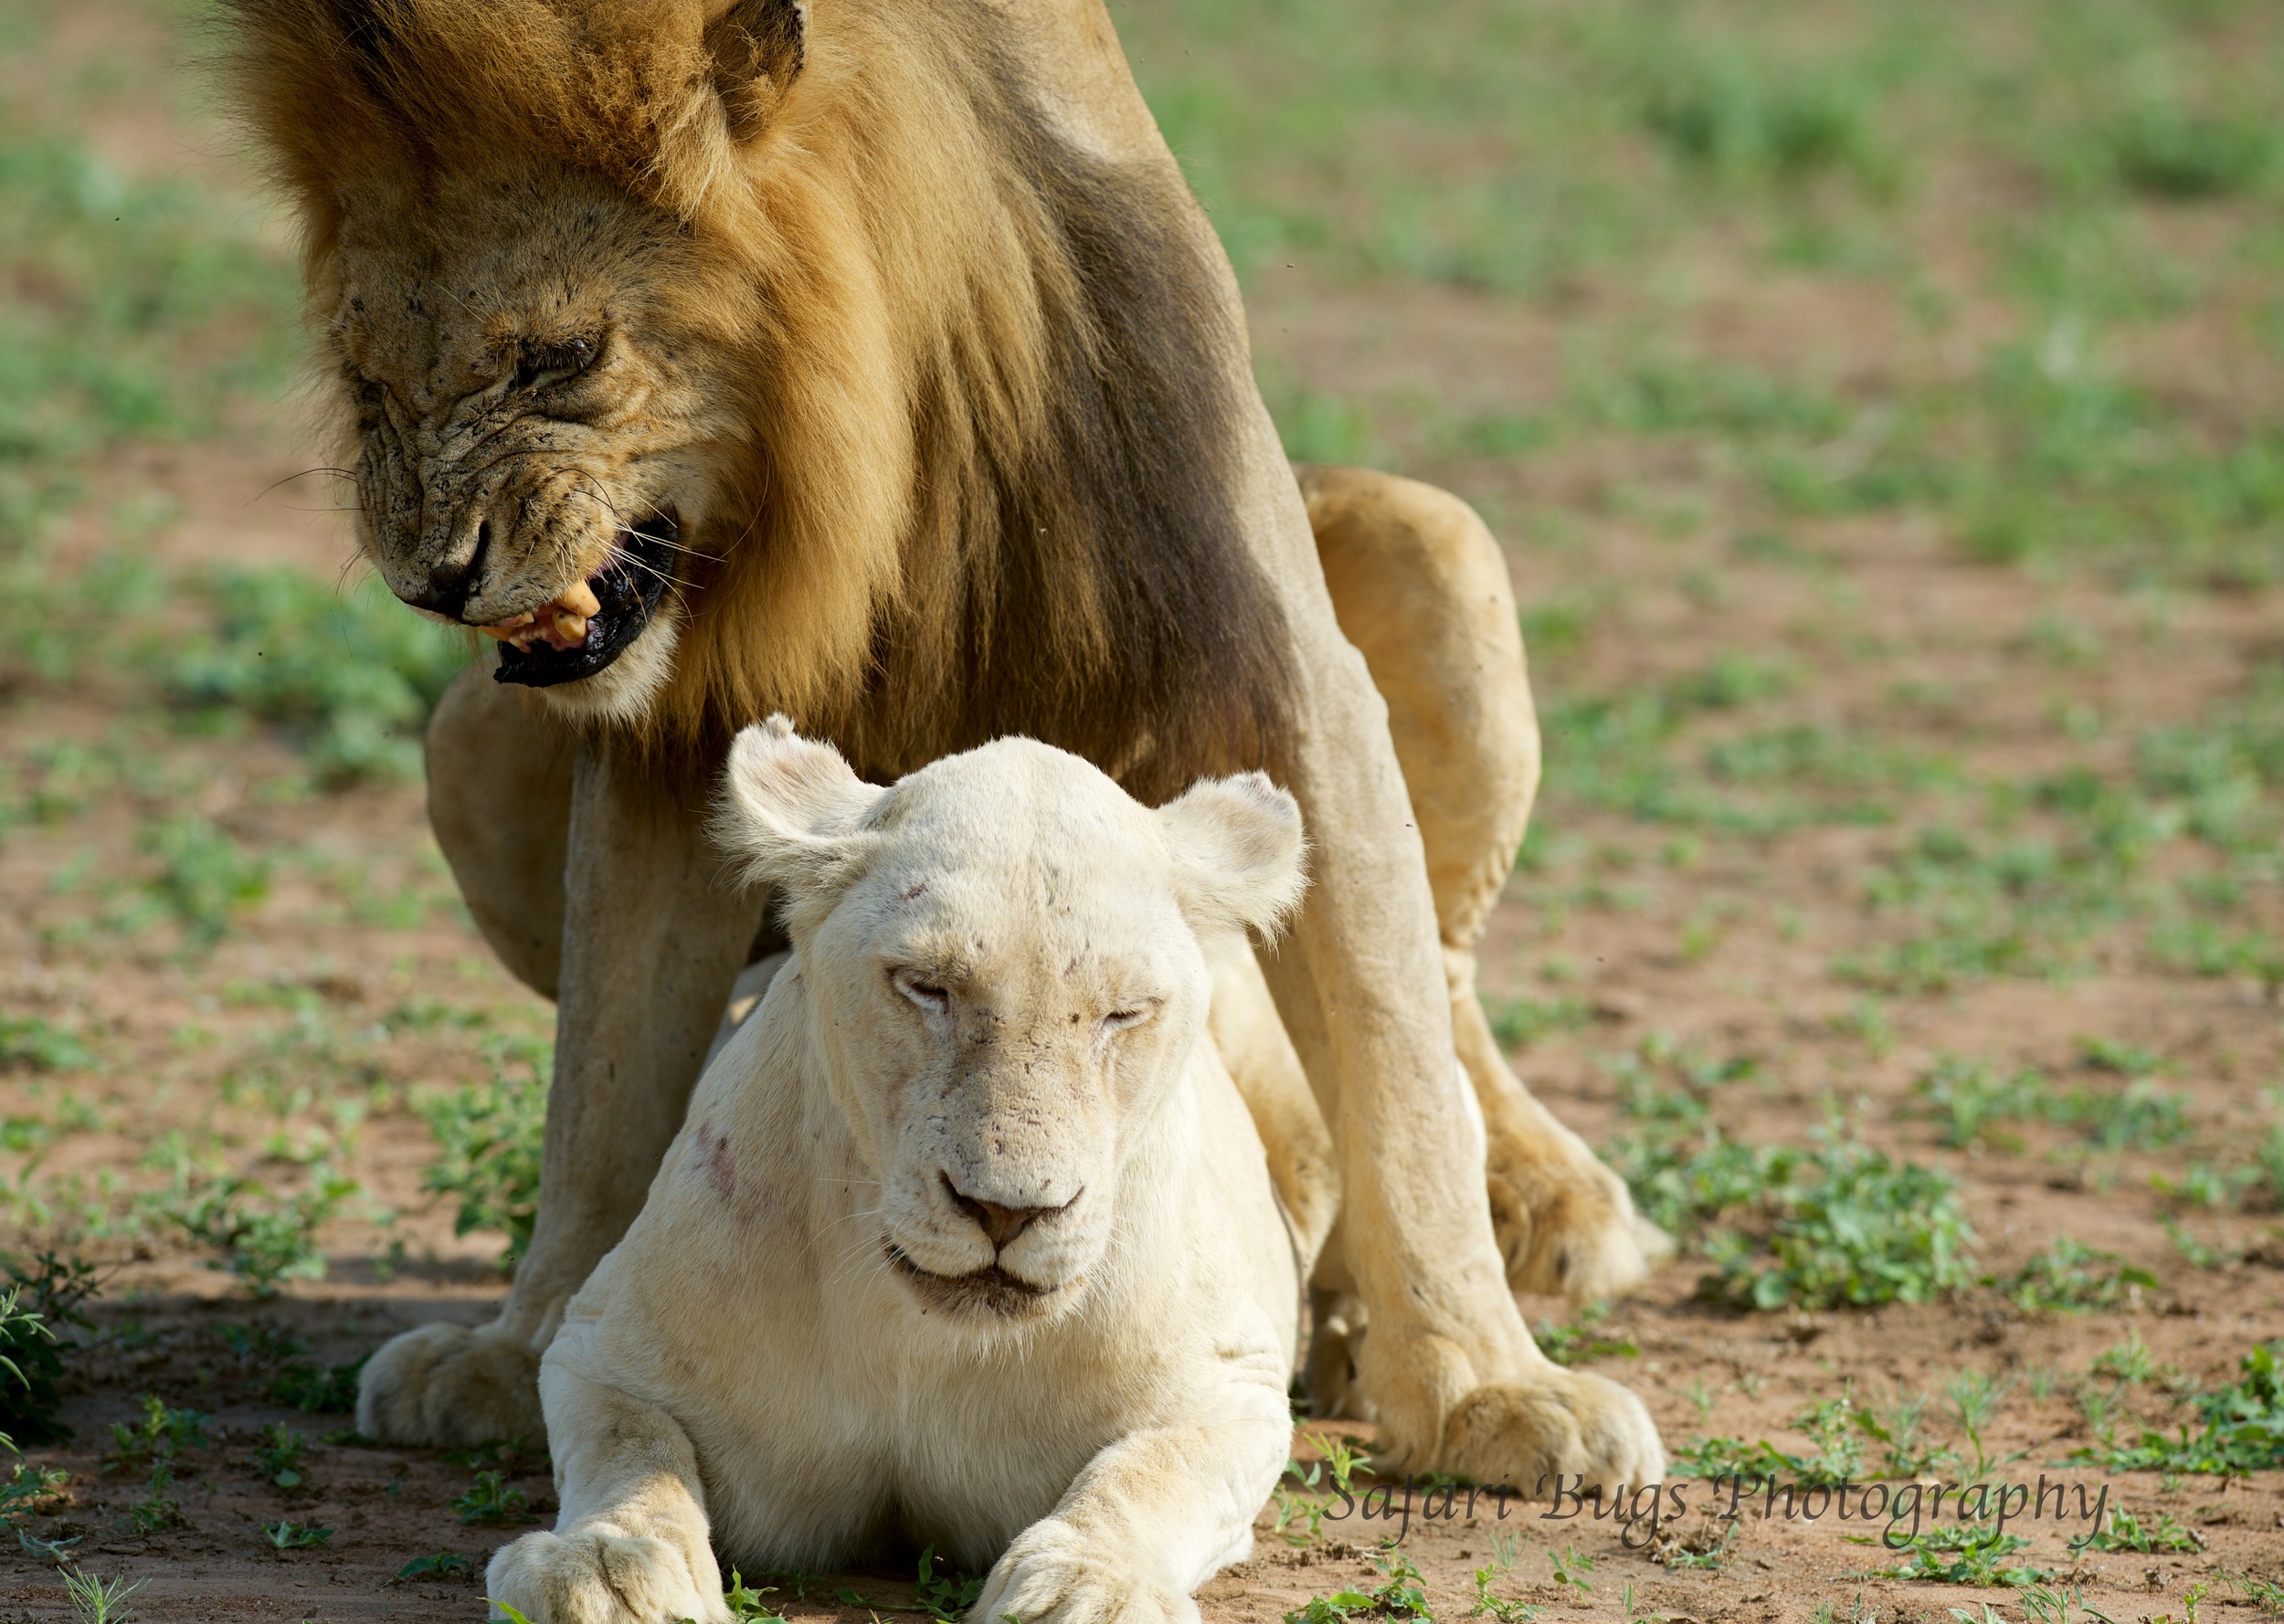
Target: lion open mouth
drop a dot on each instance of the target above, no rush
(591, 624)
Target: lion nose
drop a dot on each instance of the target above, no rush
(1000, 1224)
(452, 580)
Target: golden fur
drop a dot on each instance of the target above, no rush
(899, 304)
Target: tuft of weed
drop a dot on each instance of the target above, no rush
(2241, 1428)
(1583, 1338)
(1305, 1507)
(1518, 1023)
(1966, 1553)
(264, 1239)
(2164, 150)
(163, 1434)
(1850, 1226)
(279, 1455)
(30, 1044)
(492, 1499)
(1836, 1428)
(40, 1299)
(438, 1565)
(2120, 1530)
(330, 1389)
(488, 1137)
(351, 675)
(99, 1601)
(2071, 1277)
(295, 1536)
(205, 877)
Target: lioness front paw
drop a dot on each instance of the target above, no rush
(1559, 1425)
(599, 1579)
(1053, 1574)
(448, 1387)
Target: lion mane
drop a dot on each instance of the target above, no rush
(979, 479)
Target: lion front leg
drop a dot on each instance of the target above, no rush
(1419, 586)
(1447, 1365)
(652, 942)
(1153, 1516)
(630, 1545)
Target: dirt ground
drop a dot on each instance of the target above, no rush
(304, 1037)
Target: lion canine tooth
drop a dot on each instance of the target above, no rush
(581, 601)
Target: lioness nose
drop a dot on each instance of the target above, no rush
(1000, 1224)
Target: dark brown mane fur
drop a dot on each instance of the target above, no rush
(989, 383)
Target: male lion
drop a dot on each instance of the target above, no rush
(968, 1236)
(868, 360)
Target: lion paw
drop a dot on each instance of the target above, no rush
(1556, 1424)
(1053, 1574)
(448, 1385)
(1565, 1222)
(598, 1579)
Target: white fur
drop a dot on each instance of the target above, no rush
(997, 991)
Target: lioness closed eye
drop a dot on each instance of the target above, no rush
(968, 1238)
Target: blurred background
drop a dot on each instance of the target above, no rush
(1876, 398)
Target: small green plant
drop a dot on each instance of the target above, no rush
(2120, 1530)
(1974, 1398)
(328, 1390)
(487, 1136)
(1966, 1553)
(350, 676)
(99, 1601)
(2071, 1277)
(492, 1499)
(205, 879)
(946, 1594)
(266, 1240)
(2128, 1363)
(2044, 1606)
(2268, 1595)
(30, 1489)
(163, 1434)
(2242, 1431)
(158, 1508)
(37, 1300)
(279, 1457)
(1582, 1339)
(28, 1043)
(437, 1565)
(1518, 1023)
(1505, 1550)
(746, 1606)
(1404, 1595)
(1834, 1426)
(1341, 1460)
(295, 1536)
(1570, 1566)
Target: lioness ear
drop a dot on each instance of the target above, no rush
(1238, 850)
(757, 47)
(790, 809)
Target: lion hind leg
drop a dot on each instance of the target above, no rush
(1421, 587)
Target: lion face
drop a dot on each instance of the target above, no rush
(532, 417)
(1006, 982)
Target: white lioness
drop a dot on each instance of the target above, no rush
(967, 1236)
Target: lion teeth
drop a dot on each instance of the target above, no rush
(561, 625)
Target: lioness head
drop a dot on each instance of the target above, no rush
(1002, 955)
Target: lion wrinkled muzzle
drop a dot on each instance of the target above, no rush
(591, 624)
